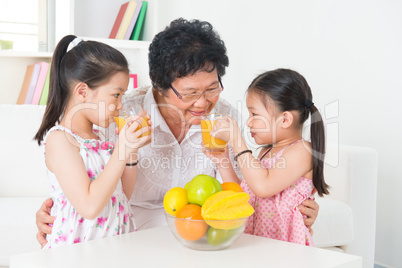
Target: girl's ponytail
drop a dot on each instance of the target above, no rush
(58, 93)
(317, 136)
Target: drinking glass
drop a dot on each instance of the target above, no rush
(212, 144)
(125, 115)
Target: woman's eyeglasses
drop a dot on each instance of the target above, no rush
(209, 94)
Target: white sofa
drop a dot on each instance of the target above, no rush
(346, 218)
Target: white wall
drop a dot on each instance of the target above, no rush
(349, 52)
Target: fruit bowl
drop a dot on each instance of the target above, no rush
(206, 234)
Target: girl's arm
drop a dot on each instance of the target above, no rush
(265, 183)
(224, 165)
(128, 177)
(64, 160)
(295, 163)
(130, 172)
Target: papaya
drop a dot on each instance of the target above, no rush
(227, 209)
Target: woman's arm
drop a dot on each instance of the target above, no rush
(309, 208)
(44, 221)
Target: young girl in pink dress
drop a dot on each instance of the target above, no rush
(90, 177)
(289, 169)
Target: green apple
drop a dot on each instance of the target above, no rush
(201, 187)
(217, 237)
(187, 184)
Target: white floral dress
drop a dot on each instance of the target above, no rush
(69, 227)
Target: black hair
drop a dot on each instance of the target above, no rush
(184, 48)
(290, 91)
(89, 62)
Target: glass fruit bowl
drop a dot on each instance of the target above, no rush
(206, 234)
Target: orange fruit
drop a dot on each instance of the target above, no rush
(231, 186)
(227, 207)
(189, 223)
(174, 200)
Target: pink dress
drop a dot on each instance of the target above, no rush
(278, 216)
(70, 227)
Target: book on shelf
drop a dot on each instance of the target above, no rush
(45, 91)
(133, 21)
(133, 81)
(132, 84)
(44, 66)
(32, 84)
(140, 21)
(125, 22)
(118, 20)
(25, 84)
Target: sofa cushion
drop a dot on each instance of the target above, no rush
(334, 224)
(17, 226)
(22, 164)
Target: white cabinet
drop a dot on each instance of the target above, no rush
(89, 19)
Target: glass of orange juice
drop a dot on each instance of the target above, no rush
(125, 115)
(212, 144)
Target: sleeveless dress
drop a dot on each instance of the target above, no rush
(277, 216)
(69, 227)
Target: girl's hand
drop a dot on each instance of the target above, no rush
(117, 130)
(220, 159)
(131, 139)
(224, 165)
(226, 130)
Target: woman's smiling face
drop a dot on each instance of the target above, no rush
(190, 112)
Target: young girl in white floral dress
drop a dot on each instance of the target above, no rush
(90, 176)
(289, 168)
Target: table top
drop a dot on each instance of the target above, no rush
(157, 247)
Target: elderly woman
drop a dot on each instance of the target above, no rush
(186, 63)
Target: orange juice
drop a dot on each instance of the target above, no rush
(211, 144)
(121, 121)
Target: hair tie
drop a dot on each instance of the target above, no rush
(74, 43)
(308, 103)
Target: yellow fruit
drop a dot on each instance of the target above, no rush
(174, 200)
(228, 206)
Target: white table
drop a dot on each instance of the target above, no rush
(158, 248)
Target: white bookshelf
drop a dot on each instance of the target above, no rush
(91, 20)
(121, 44)
(24, 54)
